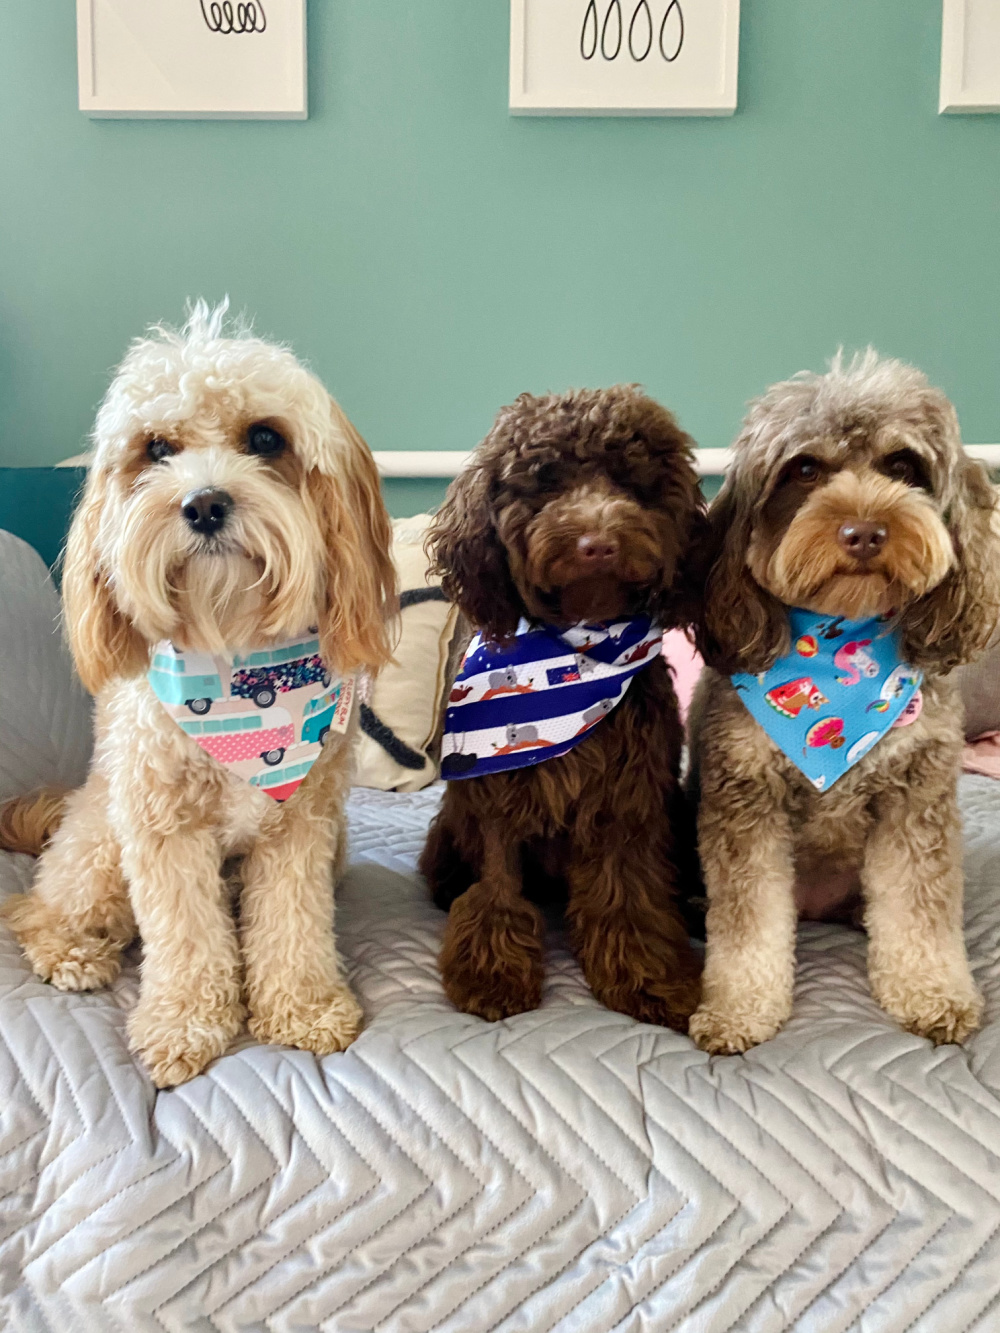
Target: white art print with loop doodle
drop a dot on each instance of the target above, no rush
(624, 57)
(192, 59)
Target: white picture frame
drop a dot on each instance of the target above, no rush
(192, 59)
(624, 57)
(970, 56)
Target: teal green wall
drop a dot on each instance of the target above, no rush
(432, 256)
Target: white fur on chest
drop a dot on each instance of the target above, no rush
(142, 751)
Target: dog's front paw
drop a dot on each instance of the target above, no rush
(58, 951)
(728, 1033)
(322, 1026)
(85, 962)
(496, 995)
(176, 1049)
(934, 1012)
(90, 965)
(668, 1006)
(492, 963)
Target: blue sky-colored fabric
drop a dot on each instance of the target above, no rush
(834, 695)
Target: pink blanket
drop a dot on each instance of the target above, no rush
(683, 657)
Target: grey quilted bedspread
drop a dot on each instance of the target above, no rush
(568, 1170)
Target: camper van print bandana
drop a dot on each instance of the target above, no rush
(537, 697)
(829, 700)
(264, 715)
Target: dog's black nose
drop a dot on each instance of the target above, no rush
(206, 511)
(597, 550)
(862, 539)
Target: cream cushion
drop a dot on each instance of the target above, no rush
(400, 715)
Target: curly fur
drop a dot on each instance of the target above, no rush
(143, 843)
(600, 827)
(870, 440)
(28, 822)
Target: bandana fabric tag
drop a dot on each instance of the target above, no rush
(514, 706)
(833, 697)
(264, 715)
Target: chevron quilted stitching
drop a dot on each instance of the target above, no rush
(354, 1201)
(635, 1246)
(871, 1294)
(863, 1203)
(537, 1238)
(568, 1170)
(805, 1170)
(234, 1200)
(818, 1145)
(426, 1137)
(330, 1216)
(456, 1253)
(549, 1179)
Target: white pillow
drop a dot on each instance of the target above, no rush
(46, 731)
(400, 715)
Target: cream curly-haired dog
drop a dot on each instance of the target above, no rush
(230, 504)
(850, 495)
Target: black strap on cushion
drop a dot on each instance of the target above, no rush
(373, 726)
(414, 596)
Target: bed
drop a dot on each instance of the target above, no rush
(568, 1169)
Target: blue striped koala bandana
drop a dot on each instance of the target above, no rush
(835, 694)
(538, 696)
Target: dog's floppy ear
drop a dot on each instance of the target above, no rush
(742, 627)
(955, 621)
(360, 598)
(467, 552)
(677, 601)
(104, 642)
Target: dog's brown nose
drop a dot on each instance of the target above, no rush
(207, 510)
(596, 552)
(862, 539)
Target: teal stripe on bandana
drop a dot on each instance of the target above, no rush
(264, 715)
(834, 695)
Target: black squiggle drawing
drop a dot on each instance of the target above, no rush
(612, 31)
(224, 17)
(674, 5)
(614, 8)
(642, 6)
(589, 39)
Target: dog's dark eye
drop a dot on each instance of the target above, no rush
(158, 450)
(805, 470)
(907, 467)
(265, 441)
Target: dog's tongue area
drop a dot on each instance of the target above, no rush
(596, 598)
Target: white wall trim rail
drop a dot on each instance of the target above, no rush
(446, 463)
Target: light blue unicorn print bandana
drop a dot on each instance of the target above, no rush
(537, 697)
(828, 701)
(265, 715)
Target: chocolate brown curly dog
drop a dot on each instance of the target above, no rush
(575, 509)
